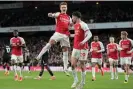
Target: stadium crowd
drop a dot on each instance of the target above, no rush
(93, 13)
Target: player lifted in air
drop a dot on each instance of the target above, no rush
(17, 43)
(125, 54)
(6, 58)
(80, 48)
(112, 52)
(96, 53)
(61, 34)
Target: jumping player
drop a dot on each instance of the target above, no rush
(125, 54)
(17, 43)
(112, 52)
(80, 48)
(6, 58)
(61, 34)
(96, 52)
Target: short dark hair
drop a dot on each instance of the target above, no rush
(63, 3)
(15, 30)
(77, 14)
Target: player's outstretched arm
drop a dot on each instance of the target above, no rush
(53, 15)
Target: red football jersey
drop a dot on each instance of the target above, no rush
(112, 50)
(62, 23)
(96, 46)
(126, 45)
(80, 29)
(16, 50)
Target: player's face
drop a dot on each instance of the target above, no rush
(74, 19)
(15, 33)
(63, 8)
(123, 36)
(111, 39)
(96, 38)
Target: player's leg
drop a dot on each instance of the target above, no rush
(83, 60)
(42, 70)
(20, 64)
(45, 60)
(116, 68)
(55, 38)
(83, 75)
(100, 66)
(4, 67)
(50, 72)
(127, 68)
(65, 59)
(14, 64)
(93, 61)
(65, 46)
(74, 57)
(111, 68)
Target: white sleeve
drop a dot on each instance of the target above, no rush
(71, 20)
(131, 45)
(87, 31)
(22, 40)
(55, 15)
(91, 48)
(10, 41)
(102, 47)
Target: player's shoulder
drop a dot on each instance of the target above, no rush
(82, 23)
(92, 42)
(20, 37)
(100, 42)
(129, 39)
(12, 38)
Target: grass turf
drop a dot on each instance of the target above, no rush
(63, 82)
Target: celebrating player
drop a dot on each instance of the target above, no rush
(44, 63)
(80, 48)
(17, 43)
(61, 35)
(112, 52)
(96, 52)
(6, 58)
(125, 54)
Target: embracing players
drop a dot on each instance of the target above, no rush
(17, 43)
(61, 34)
(112, 52)
(125, 54)
(96, 53)
(80, 48)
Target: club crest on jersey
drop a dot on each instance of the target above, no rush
(64, 19)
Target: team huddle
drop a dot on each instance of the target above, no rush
(80, 49)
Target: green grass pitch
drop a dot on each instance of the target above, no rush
(63, 82)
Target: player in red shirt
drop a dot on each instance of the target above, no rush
(96, 52)
(61, 34)
(80, 48)
(112, 52)
(17, 43)
(125, 54)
